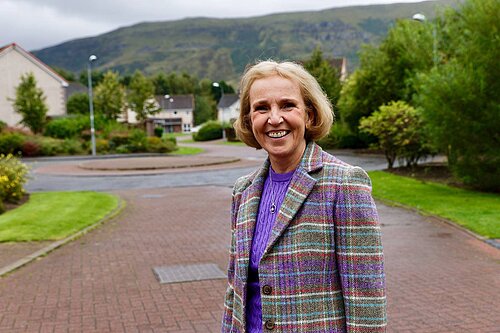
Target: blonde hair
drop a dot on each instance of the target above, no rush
(314, 97)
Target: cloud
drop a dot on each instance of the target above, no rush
(34, 27)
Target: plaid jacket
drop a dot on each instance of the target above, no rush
(322, 270)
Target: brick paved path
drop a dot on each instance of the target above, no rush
(439, 279)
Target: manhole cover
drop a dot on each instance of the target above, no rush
(152, 196)
(185, 273)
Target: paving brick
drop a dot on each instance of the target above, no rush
(439, 279)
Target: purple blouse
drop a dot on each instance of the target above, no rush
(263, 227)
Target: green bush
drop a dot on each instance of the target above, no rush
(102, 146)
(119, 138)
(11, 143)
(68, 127)
(71, 147)
(400, 133)
(78, 104)
(158, 131)
(157, 145)
(211, 130)
(138, 141)
(3, 126)
(341, 137)
(13, 176)
(50, 146)
(169, 137)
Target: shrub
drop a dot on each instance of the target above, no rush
(13, 175)
(169, 137)
(78, 104)
(50, 146)
(3, 125)
(102, 146)
(399, 130)
(157, 145)
(11, 143)
(71, 147)
(158, 131)
(211, 130)
(118, 138)
(138, 141)
(340, 136)
(31, 148)
(69, 127)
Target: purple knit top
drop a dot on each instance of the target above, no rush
(263, 227)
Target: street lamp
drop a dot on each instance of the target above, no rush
(421, 18)
(91, 103)
(218, 85)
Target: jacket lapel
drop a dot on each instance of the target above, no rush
(301, 185)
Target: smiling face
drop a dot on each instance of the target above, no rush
(278, 116)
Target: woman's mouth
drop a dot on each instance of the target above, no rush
(277, 134)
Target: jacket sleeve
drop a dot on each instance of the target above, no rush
(359, 254)
(227, 317)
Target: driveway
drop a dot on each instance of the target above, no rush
(439, 278)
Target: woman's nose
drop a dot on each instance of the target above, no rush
(275, 117)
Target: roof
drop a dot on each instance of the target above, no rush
(227, 100)
(176, 102)
(33, 59)
(75, 88)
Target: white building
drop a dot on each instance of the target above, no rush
(228, 108)
(15, 62)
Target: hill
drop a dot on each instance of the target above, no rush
(219, 49)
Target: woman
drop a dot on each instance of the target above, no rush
(305, 254)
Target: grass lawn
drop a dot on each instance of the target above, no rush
(476, 211)
(55, 215)
(182, 150)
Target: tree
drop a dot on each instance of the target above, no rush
(141, 96)
(326, 74)
(30, 103)
(400, 133)
(459, 98)
(110, 96)
(78, 104)
(204, 109)
(387, 72)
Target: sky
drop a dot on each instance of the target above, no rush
(36, 24)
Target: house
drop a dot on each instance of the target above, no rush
(15, 62)
(176, 115)
(228, 108)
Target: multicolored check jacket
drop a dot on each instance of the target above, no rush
(322, 270)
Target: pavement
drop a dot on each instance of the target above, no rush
(439, 278)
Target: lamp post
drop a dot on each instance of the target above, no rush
(421, 18)
(169, 99)
(218, 85)
(91, 103)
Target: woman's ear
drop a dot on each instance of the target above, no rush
(309, 118)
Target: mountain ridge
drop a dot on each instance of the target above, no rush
(220, 48)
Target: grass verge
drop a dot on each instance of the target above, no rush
(475, 211)
(182, 150)
(55, 215)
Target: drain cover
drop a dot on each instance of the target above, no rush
(185, 273)
(152, 196)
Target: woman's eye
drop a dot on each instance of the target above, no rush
(261, 108)
(288, 106)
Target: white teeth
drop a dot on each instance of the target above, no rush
(277, 134)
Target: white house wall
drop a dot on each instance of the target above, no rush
(12, 66)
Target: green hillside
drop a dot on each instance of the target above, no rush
(220, 48)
